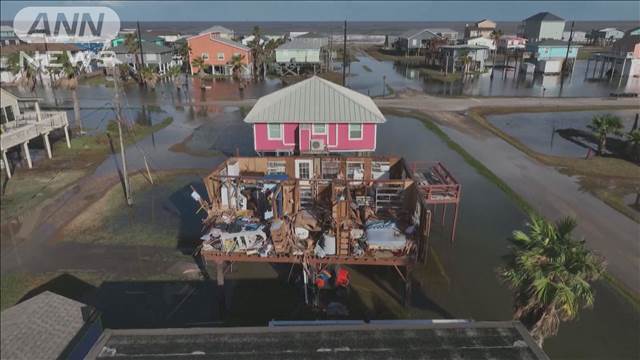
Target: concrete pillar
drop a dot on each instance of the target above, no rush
(27, 155)
(47, 145)
(7, 167)
(66, 136)
(38, 115)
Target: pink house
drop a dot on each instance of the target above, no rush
(511, 42)
(314, 116)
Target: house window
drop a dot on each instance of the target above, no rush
(414, 42)
(330, 169)
(274, 132)
(320, 129)
(236, 54)
(220, 56)
(9, 111)
(355, 170)
(205, 56)
(276, 167)
(303, 170)
(355, 131)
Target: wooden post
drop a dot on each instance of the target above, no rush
(587, 70)
(27, 155)
(7, 166)
(47, 145)
(407, 287)
(613, 68)
(146, 165)
(624, 63)
(595, 66)
(38, 114)
(124, 167)
(66, 136)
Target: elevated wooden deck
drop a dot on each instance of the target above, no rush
(29, 125)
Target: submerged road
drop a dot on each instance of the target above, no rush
(551, 193)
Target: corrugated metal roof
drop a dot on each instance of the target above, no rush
(304, 44)
(217, 29)
(414, 32)
(315, 100)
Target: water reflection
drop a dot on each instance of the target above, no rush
(556, 133)
(504, 82)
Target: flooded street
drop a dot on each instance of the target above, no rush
(459, 280)
(504, 82)
(556, 133)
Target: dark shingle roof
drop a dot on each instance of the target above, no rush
(41, 327)
(147, 47)
(482, 340)
(544, 16)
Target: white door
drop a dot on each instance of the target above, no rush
(304, 169)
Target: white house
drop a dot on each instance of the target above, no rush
(579, 37)
(482, 41)
(542, 26)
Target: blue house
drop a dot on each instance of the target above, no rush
(548, 55)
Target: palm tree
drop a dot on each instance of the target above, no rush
(236, 65)
(495, 36)
(465, 60)
(149, 76)
(551, 275)
(198, 62)
(603, 125)
(633, 141)
(184, 51)
(174, 73)
(257, 51)
(132, 44)
(70, 81)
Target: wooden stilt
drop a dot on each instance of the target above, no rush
(7, 166)
(47, 145)
(407, 287)
(455, 223)
(444, 213)
(27, 154)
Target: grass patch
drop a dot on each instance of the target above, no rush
(28, 189)
(92, 145)
(613, 190)
(380, 54)
(440, 76)
(585, 52)
(469, 159)
(159, 216)
(15, 286)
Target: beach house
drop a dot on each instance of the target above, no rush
(314, 116)
(217, 53)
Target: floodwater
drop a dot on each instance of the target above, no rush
(503, 82)
(556, 133)
(458, 281)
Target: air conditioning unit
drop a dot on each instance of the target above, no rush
(317, 145)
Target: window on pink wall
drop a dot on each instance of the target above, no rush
(274, 131)
(320, 129)
(355, 131)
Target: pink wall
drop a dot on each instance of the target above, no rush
(336, 139)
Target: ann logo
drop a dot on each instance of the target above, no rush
(41, 25)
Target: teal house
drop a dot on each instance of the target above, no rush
(122, 38)
(552, 49)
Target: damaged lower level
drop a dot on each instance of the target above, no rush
(318, 211)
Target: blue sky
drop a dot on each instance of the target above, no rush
(351, 10)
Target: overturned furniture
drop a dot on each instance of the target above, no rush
(323, 210)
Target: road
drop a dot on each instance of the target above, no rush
(551, 193)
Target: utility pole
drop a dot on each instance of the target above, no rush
(344, 56)
(566, 57)
(141, 53)
(125, 176)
